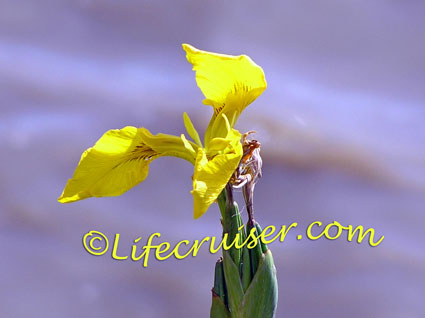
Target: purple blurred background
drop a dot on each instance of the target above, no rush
(342, 125)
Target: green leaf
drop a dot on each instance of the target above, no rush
(260, 299)
(259, 231)
(233, 283)
(218, 308)
(231, 220)
(256, 252)
(219, 288)
(246, 268)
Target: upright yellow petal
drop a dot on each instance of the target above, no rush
(212, 173)
(229, 83)
(191, 129)
(119, 161)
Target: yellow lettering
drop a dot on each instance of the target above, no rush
(327, 228)
(311, 236)
(362, 234)
(176, 249)
(237, 240)
(264, 234)
(133, 251)
(158, 251)
(285, 231)
(215, 250)
(91, 248)
(148, 247)
(228, 247)
(115, 248)
(252, 238)
(196, 246)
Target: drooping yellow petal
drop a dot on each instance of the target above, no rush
(119, 161)
(212, 174)
(229, 83)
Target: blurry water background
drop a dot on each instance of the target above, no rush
(342, 126)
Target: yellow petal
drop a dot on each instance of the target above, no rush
(229, 83)
(219, 127)
(217, 146)
(212, 174)
(168, 145)
(187, 145)
(119, 161)
(191, 129)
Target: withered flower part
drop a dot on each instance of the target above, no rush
(248, 172)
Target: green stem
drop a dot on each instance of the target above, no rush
(231, 222)
(245, 284)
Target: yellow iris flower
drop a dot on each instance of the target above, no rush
(120, 158)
